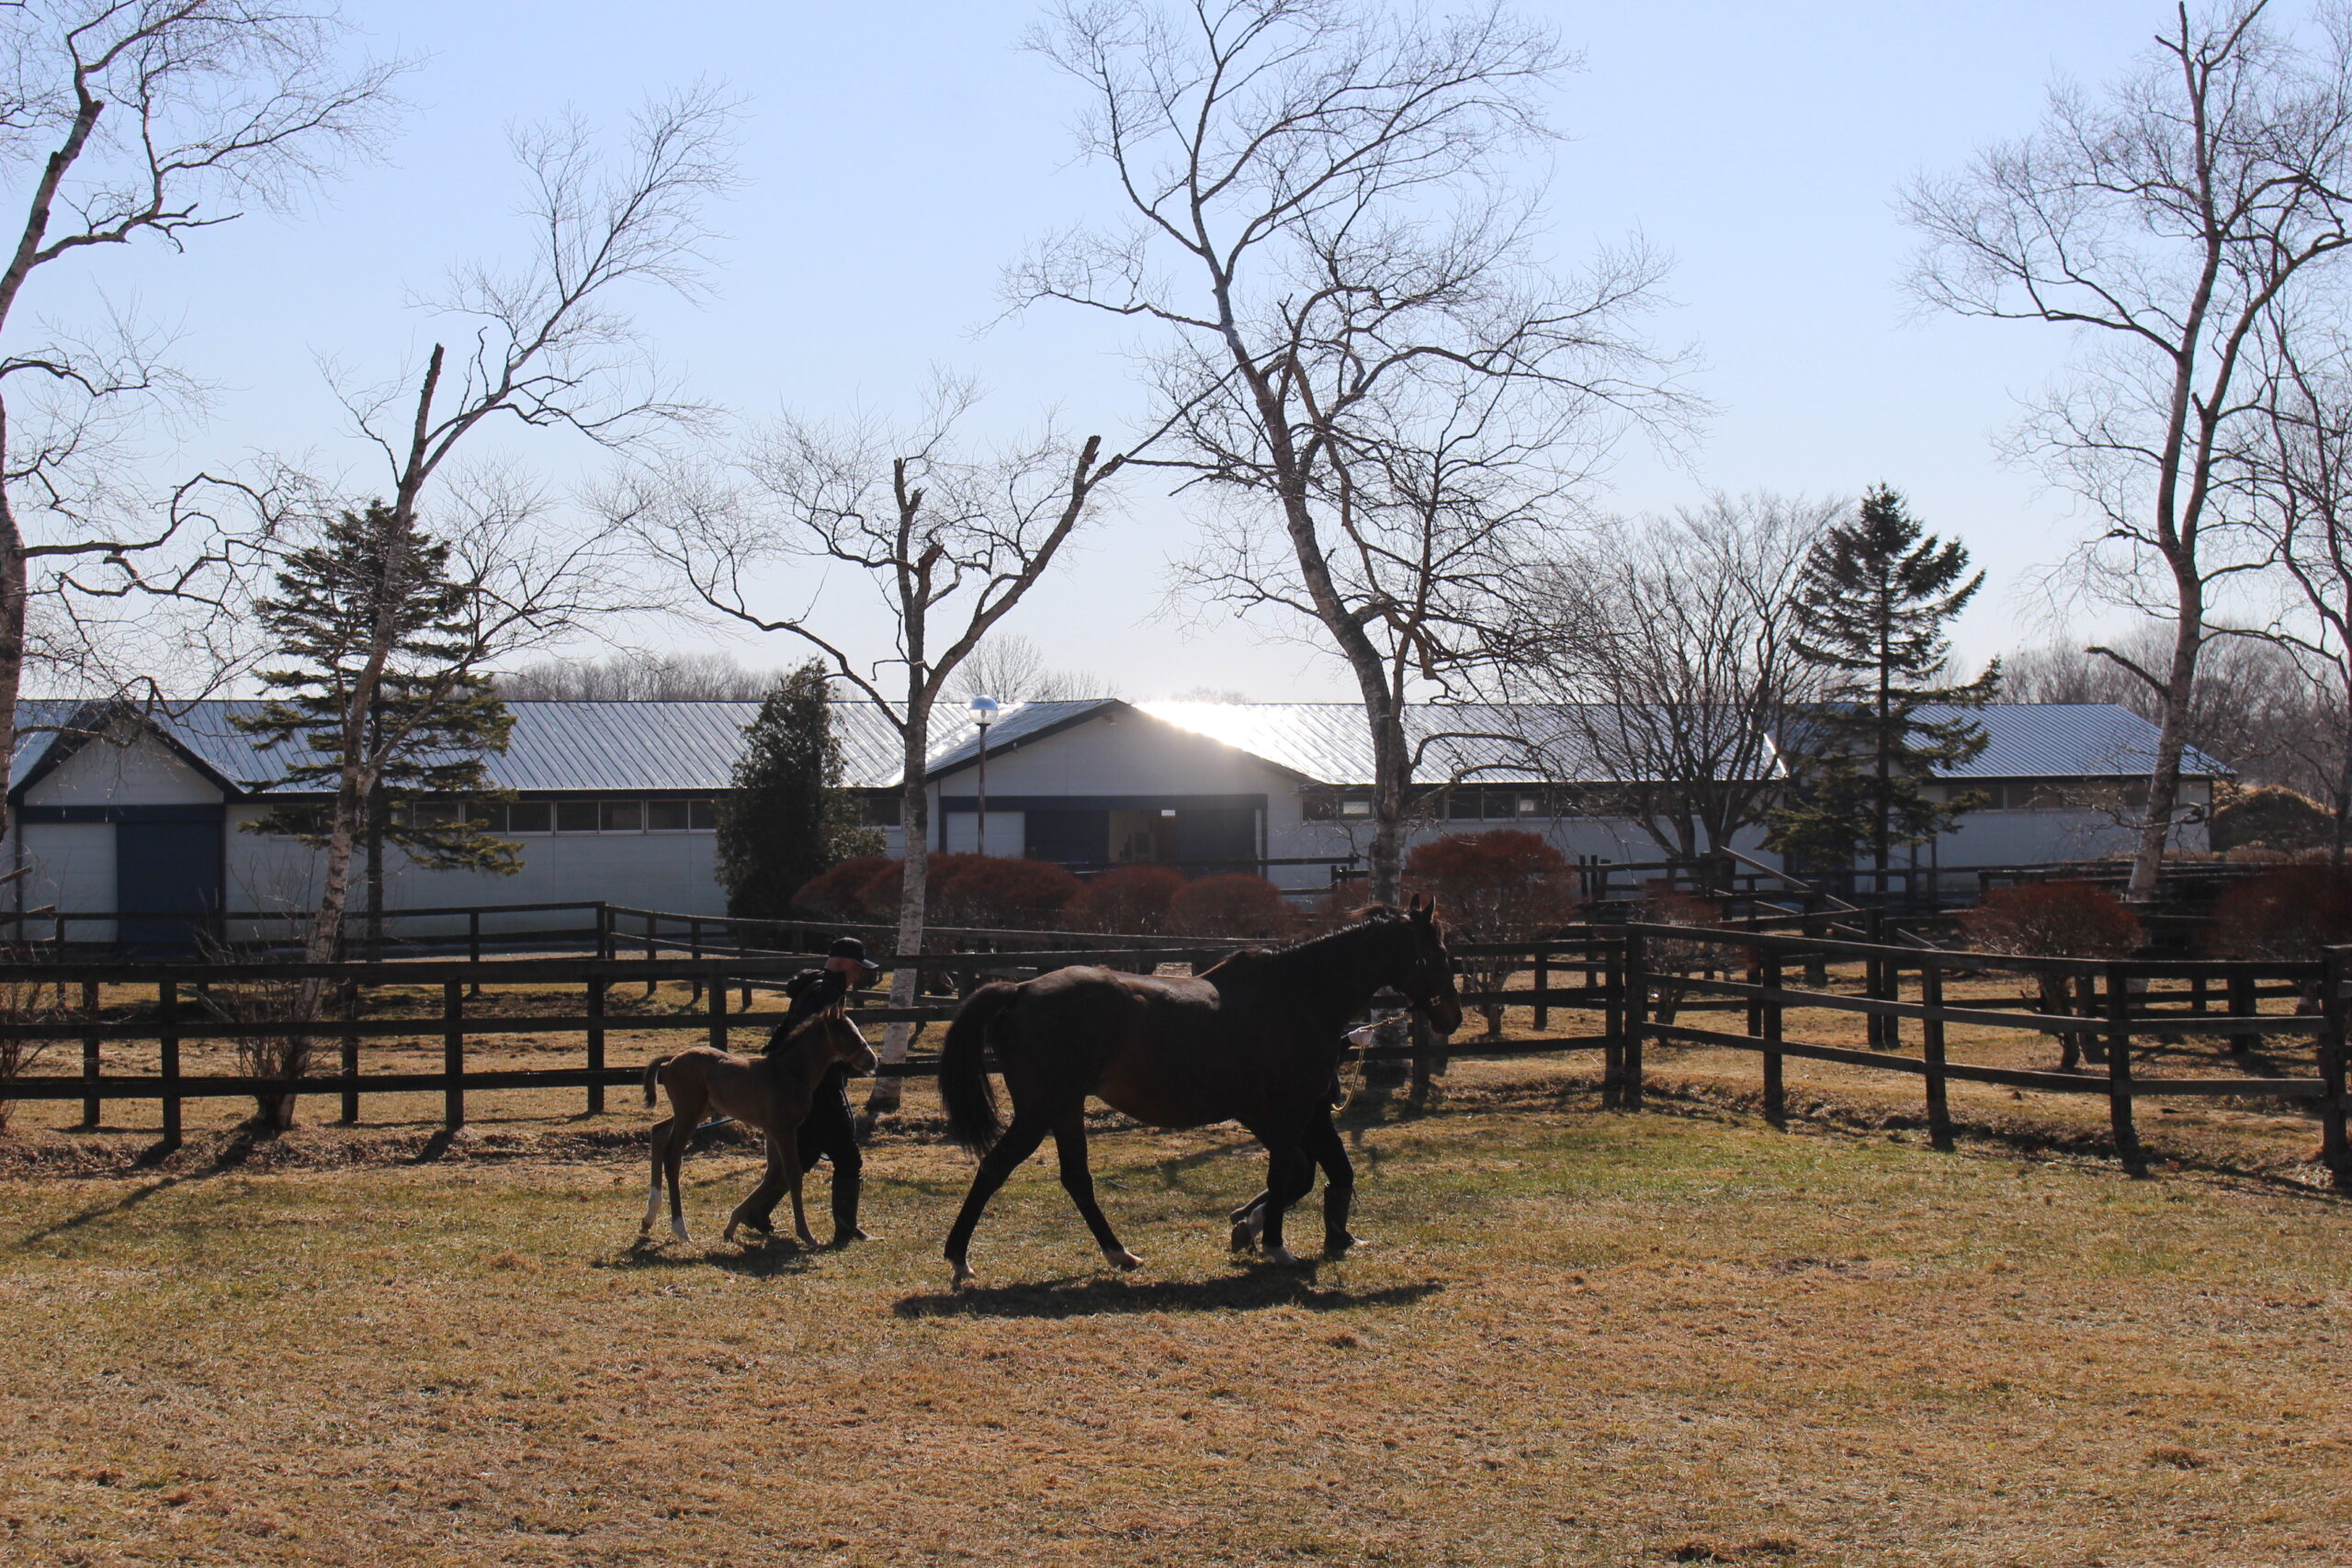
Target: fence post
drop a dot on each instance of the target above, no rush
(604, 931)
(2243, 1004)
(351, 1051)
(1931, 1038)
(694, 950)
(167, 1042)
(90, 1106)
(453, 1053)
(1776, 1102)
(1612, 1023)
(717, 996)
(2335, 1149)
(1543, 984)
(597, 1043)
(2119, 1072)
(473, 946)
(1637, 1014)
(652, 947)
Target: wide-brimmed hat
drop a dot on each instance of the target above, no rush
(850, 947)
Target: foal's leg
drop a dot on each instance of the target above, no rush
(755, 1210)
(1327, 1149)
(787, 1143)
(685, 1115)
(1289, 1177)
(1019, 1142)
(660, 1141)
(1069, 1143)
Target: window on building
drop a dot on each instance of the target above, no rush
(620, 816)
(1355, 806)
(702, 815)
(523, 816)
(667, 816)
(575, 815)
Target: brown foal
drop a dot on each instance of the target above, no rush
(771, 1094)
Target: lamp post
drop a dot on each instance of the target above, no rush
(983, 714)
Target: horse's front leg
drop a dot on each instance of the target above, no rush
(755, 1210)
(787, 1143)
(1290, 1175)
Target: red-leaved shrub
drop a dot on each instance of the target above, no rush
(2288, 913)
(1131, 899)
(1235, 905)
(1500, 886)
(995, 892)
(838, 892)
(2052, 919)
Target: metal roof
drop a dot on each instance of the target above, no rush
(692, 746)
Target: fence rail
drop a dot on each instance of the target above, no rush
(1634, 981)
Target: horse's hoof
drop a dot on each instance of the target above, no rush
(965, 1279)
(843, 1239)
(1123, 1258)
(1282, 1255)
(680, 1232)
(1244, 1238)
(807, 1240)
(1340, 1246)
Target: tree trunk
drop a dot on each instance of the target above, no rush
(914, 886)
(12, 643)
(2164, 779)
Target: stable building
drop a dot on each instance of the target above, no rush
(144, 813)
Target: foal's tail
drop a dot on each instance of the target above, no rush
(964, 1087)
(652, 1075)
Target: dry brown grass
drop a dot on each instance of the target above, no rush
(1583, 1339)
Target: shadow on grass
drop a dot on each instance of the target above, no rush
(771, 1261)
(1267, 1286)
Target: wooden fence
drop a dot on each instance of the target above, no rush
(1629, 985)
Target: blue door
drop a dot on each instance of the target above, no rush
(167, 870)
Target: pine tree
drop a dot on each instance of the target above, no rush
(787, 817)
(1872, 604)
(364, 585)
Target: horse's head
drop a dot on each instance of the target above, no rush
(1428, 982)
(830, 1037)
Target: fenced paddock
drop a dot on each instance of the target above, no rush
(1581, 1335)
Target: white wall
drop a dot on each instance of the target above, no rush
(145, 773)
(675, 873)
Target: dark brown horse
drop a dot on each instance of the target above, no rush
(1253, 1040)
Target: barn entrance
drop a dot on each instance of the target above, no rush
(168, 867)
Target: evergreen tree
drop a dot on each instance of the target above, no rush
(787, 817)
(1872, 605)
(367, 586)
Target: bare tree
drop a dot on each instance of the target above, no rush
(547, 348)
(1011, 669)
(2165, 218)
(2300, 457)
(1674, 644)
(2250, 708)
(126, 121)
(639, 677)
(1323, 222)
(951, 542)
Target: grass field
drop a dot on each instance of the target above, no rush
(1580, 1338)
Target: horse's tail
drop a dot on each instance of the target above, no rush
(653, 1073)
(964, 1087)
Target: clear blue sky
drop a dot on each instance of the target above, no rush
(896, 155)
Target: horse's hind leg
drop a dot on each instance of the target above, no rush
(1077, 1180)
(1327, 1149)
(661, 1142)
(1019, 1142)
(683, 1119)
